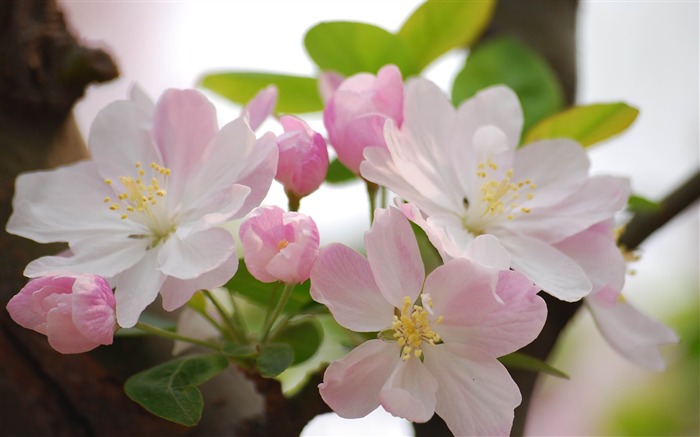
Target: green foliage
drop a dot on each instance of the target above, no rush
(149, 318)
(641, 204)
(518, 360)
(238, 351)
(275, 359)
(438, 26)
(338, 173)
(244, 284)
(297, 94)
(349, 48)
(588, 124)
(508, 62)
(304, 337)
(170, 389)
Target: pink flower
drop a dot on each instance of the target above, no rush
(76, 313)
(279, 245)
(463, 171)
(145, 211)
(328, 82)
(261, 106)
(303, 157)
(439, 336)
(357, 110)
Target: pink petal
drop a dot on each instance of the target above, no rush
(138, 97)
(197, 254)
(342, 280)
(62, 333)
(184, 123)
(463, 293)
(393, 255)
(93, 309)
(352, 384)
(633, 334)
(261, 106)
(260, 168)
(28, 308)
(547, 267)
(388, 96)
(476, 395)
(177, 292)
(136, 288)
(328, 82)
(410, 391)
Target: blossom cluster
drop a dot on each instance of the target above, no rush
(147, 215)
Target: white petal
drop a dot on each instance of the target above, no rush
(195, 255)
(136, 288)
(547, 267)
(487, 250)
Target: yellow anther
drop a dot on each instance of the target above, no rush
(282, 244)
(124, 216)
(108, 181)
(412, 328)
(114, 206)
(107, 199)
(526, 210)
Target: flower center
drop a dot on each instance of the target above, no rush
(282, 244)
(142, 200)
(500, 197)
(412, 328)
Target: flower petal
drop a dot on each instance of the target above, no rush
(342, 280)
(137, 288)
(352, 384)
(62, 333)
(476, 394)
(547, 267)
(259, 170)
(261, 106)
(28, 307)
(177, 292)
(410, 392)
(93, 309)
(393, 255)
(184, 123)
(487, 250)
(196, 254)
(631, 333)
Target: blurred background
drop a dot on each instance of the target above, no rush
(643, 53)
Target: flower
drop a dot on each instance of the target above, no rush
(439, 336)
(463, 172)
(75, 312)
(279, 245)
(303, 157)
(145, 211)
(357, 110)
(631, 333)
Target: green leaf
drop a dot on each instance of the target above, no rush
(506, 61)
(521, 361)
(349, 47)
(297, 94)
(303, 337)
(338, 173)
(236, 350)
(275, 359)
(265, 294)
(588, 124)
(641, 204)
(169, 390)
(438, 26)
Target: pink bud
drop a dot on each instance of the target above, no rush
(357, 111)
(279, 245)
(76, 312)
(328, 82)
(303, 157)
(261, 106)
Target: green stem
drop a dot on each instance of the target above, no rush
(372, 189)
(225, 317)
(145, 327)
(384, 197)
(237, 319)
(281, 303)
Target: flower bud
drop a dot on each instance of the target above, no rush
(75, 312)
(357, 111)
(303, 157)
(279, 245)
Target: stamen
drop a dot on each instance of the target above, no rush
(412, 328)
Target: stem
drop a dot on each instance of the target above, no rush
(281, 303)
(145, 327)
(372, 189)
(235, 334)
(384, 196)
(294, 201)
(237, 319)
